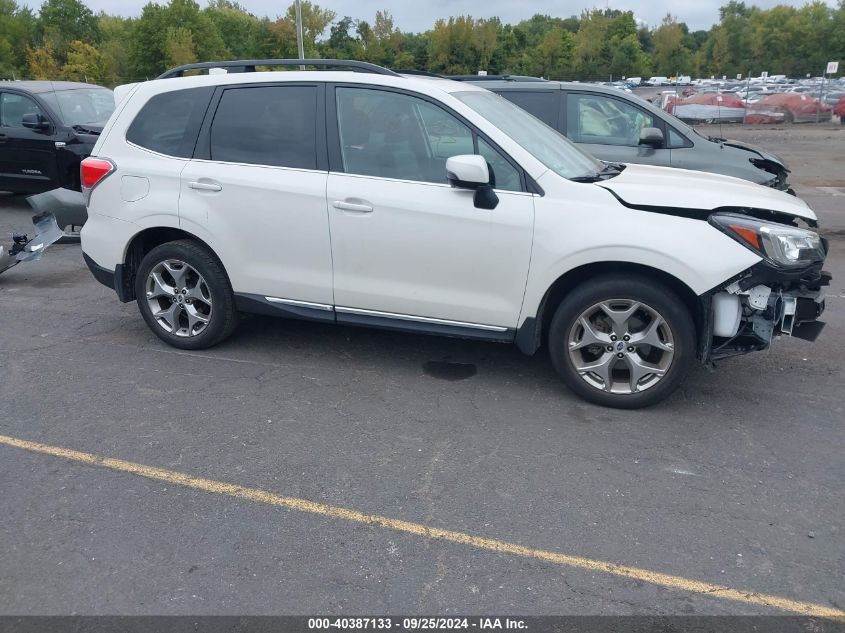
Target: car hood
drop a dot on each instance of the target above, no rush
(753, 149)
(643, 186)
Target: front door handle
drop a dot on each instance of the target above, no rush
(205, 186)
(358, 207)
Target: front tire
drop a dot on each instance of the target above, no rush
(185, 296)
(622, 341)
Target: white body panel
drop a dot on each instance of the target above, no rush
(425, 250)
(579, 223)
(268, 225)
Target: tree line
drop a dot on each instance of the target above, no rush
(64, 39)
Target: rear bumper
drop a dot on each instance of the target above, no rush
(110, 278)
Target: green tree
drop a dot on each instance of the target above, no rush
(179, 47)
(242, 33)
(42, 62)
(17, 31)
(65, 21)
(670, 56)
(114, 36)
(84, 63)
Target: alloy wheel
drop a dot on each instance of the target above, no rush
(179, 298)
(621, 346)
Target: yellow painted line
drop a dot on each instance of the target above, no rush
(502, 547)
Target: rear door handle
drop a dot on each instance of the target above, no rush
(205, 186)
(358, 207)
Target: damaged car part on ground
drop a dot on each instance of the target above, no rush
(24, 249)
(67, 206)
(430, 206)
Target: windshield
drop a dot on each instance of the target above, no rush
(83, 105)
(546, 144)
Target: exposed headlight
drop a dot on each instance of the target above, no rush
(783, 245)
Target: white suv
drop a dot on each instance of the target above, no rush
(427, 205)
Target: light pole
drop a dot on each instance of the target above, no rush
(299, 43)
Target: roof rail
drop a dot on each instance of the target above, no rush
(249, 66)
(420, 73)
(494, 78)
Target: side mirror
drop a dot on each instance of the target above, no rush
(35, 121)
(470, 171)
(651, 136)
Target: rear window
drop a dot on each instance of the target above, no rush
(266, 125)
(170, 121)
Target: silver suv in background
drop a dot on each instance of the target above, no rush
(619, 127)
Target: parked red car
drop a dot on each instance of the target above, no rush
(792, 107)
(839, 110)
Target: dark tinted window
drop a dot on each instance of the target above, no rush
(13, 107)
(545, 105)
(170, 121)
(267, 125)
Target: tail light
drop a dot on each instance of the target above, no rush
(92, 171)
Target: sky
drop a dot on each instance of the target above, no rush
(419, 15)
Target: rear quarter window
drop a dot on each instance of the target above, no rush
(169, 122)
(543, 104)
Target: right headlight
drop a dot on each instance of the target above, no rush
(781, 244)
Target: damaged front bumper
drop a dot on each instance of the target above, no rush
(765, 302)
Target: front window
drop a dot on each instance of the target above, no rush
(82, 106)
(547, 145)
(391, 135)
(593, 118)
(13, 107)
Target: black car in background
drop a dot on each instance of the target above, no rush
(46, 129)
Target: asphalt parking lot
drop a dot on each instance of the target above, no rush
(735, 481)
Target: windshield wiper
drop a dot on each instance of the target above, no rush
(609, 171)
(82, 129)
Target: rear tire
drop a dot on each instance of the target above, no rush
(185, 296)
(622, 341)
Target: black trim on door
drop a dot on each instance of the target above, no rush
(527, 184)
(257, 304)
(418, 327)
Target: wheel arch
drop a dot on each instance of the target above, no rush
(533, 331)
(141, 244)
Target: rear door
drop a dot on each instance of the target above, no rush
(257, 187)
(27, 157)
(608, 127)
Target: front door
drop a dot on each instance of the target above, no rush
(406, 246)
(27, 157)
